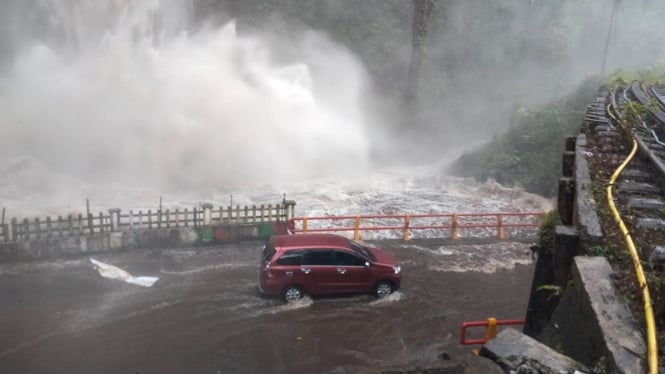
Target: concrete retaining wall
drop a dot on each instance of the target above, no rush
(574, 306)
(131, 239)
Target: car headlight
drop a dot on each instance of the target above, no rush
(397, 269)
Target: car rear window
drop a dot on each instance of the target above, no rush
(268, 252)
(293, 258)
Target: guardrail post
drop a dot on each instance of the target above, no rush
(304, 225)
(407, 221)
(290, 206)
(207, 213)
(26, 228)
(14, 230)
(453, 234)
(115, 219)
(499, 222)
(356, 228)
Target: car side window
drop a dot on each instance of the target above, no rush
(293, 258)
(318, 257)
(347, 259)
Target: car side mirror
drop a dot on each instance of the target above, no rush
(367, 264)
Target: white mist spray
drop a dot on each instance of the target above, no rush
(123, 92)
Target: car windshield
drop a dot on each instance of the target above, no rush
(362, 250)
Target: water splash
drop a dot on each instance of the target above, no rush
(305, 302)
(127, 92)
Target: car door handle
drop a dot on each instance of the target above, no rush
(341, 271)
(306, 270)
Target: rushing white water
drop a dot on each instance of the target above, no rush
(123, 103)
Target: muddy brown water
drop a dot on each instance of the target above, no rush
(204, 314)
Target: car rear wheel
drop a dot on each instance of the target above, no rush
(383, 288)
(292, 293)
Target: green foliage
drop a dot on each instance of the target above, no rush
(554, 290)
(599, 250)
(551, 288)
(529, 153)
(652, 75)
(546, 231)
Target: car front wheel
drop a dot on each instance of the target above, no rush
(383, 288)
(292, 293)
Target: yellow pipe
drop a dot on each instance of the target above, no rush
(652, 343)
(454, 234)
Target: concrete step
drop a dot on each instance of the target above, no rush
(645, 203)
(636, 175)
(515, 350)
(638, 187)
(650, 223)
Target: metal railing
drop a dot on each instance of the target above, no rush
(490, 329)
(452, 225)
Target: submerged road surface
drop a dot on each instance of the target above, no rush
(204, 314)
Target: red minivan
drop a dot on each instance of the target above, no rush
(315, 264)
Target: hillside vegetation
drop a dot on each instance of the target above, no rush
(528, 154)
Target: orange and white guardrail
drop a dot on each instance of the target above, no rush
(451, 223)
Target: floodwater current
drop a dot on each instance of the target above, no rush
(204, 314)
(119, 105)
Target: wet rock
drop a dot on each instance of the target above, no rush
(444, 356)
(482, 365)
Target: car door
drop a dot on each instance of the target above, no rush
(352, 274)
(287, 268)
(319, 269)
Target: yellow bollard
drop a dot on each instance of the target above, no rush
(356, 228)
(454, 234)
(407, 220)
(490, 332)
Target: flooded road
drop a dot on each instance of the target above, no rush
(204, 314)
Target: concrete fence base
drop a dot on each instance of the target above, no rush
(133, 239)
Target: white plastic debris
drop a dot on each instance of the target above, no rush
(112, 272)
